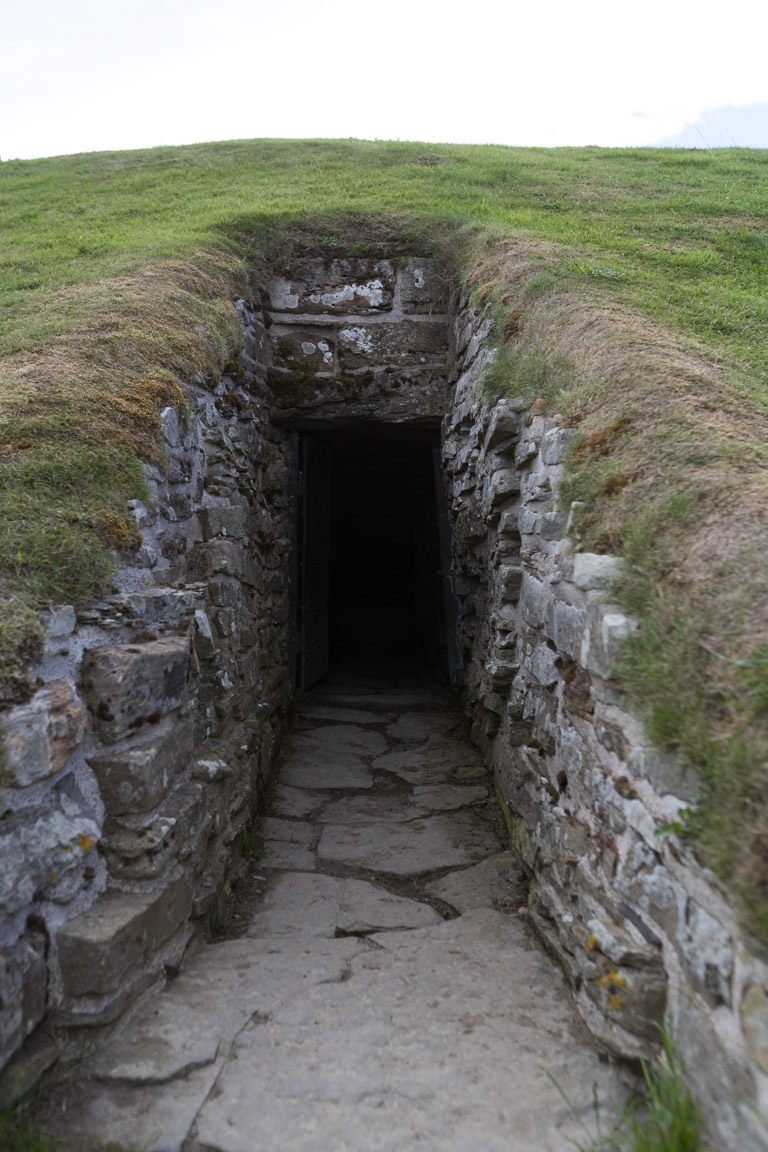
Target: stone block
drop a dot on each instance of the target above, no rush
(543, 667)
(40, 736)
(98, 949)
(555, 443)
(592, 571)
(127, 686)
(302, 350)
(23, 985)
(501, 487)
(421, 289)
(534, 601)
(510, 582)
(553, 525)
(508, 524)
(605, 631)
(337, 287)
(135, 778)
(58, 621)
(406, 342)
(42, 843)
(232, 521)
(566, 626)
(505, 422)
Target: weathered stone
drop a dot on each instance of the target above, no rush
(605, 630)
(342, 287)
(134, 684)
(505, 423)
(314, 766)
(341, 736)
(41, 736)
(303, 904)
(421, 289)
(222, 557)
(510, 582)
(502, 487)
(98, 949)
(404, 849)
(43, 843)
(136, 778)
(23, 981)
(401, 343)
(416, 727)
(493, 883)
(232, 521)
(303, 350)
(369, 1075)
(554, 445)
(593, 571)
(59, 621)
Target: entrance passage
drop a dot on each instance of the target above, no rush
(372, 561)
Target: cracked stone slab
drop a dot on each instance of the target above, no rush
(152, 1117)
(416, 727)
(368, 808)
(372, 807)
(428, 1043)
(493, 883)
(154, 1075)
(306, 904)
(448, 797)
(348, 736)
(283, 854)
(435, 762)
(292, 831)
(405, 849)
(296, 802)
(314, 766)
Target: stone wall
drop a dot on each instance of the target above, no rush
(133, 771)
(641, 930)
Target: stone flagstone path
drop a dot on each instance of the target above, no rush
(386, 994)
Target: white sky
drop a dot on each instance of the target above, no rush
(88, 75)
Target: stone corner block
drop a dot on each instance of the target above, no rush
(98, 949)
(127, 686)
(41, 735)
(592, 571)
(136, 778)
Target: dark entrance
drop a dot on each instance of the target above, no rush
(371, 571)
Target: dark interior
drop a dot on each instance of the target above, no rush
(385, 590)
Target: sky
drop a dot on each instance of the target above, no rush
(95, 75)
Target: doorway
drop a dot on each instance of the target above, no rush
(371, 583)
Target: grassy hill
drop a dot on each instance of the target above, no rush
(629, 289)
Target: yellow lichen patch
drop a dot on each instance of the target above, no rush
(85, 843)
(51, 875)
(610, 981)
(591, 943)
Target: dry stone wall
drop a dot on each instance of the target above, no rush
(641, 930)
(133, 771)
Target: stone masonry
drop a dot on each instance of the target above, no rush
(640, 929)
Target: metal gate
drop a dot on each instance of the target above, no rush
(313, 492)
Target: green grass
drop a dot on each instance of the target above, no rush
(630, 289)
(660, 1117)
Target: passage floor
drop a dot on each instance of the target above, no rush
(383, 992)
